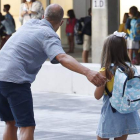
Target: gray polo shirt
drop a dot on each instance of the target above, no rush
(24, 53)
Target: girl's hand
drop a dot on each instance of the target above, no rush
(100, 90)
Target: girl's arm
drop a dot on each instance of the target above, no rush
(100, 90)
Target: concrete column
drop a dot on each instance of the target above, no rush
(81, 7)
(47, 2)
(81, 10)
(105, 20)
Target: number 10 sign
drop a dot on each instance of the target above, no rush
(98, 4)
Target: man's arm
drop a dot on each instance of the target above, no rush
(69, 62)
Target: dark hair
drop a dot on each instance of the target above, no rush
(89, 11)
(7, 7)
(71, 13)
(138, 15)
(125, 17)
(115, 51)
(25, 1)
(133, 11)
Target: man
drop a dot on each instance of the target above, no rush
(20, 59)
(86, 35)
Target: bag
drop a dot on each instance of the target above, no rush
(126, 92)
(2, 30)
(135, 29)
(9, 26)
(78, 33)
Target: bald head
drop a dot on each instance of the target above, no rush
(54, 13)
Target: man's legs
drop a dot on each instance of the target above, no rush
(10, 132)
(27, 133)
(86, 47)
(85, 56)
(16, 104)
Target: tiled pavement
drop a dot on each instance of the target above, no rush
(66, 117)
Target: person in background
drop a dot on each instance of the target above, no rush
(122, 26)
(71, 21)
(2, 29)
(30, 9)
(132, 45)
(8, 24)
(86, 31)
(6, 9)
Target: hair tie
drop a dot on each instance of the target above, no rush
(119, 34)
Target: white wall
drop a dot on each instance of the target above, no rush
(55, 78)
(105, 20)
(81, 7)
(124, 7)
(99, 31)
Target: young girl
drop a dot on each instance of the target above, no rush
(132, 45)
(71, 21)
(115, 125)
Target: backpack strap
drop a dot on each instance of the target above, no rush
(106, 89)
(110, 95)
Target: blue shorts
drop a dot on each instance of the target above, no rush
(69, 34)
(16, 104)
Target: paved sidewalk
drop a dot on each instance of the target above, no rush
(66, 117)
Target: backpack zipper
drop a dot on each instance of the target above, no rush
(126, 82)
(129, 101)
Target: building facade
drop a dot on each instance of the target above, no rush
(106, 17)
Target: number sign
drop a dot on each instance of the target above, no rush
(99, 4)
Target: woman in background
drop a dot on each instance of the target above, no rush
(30, 9)
(132, 44)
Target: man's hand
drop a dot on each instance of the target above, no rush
(69, 62)
(96, 78)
